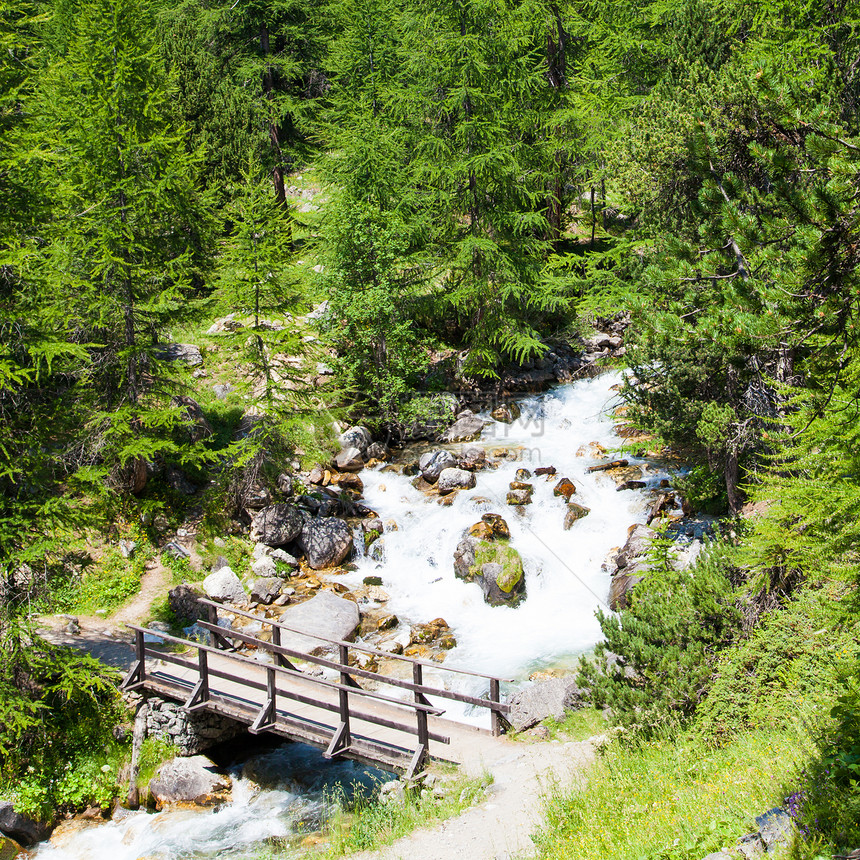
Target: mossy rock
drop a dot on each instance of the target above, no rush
(498, 568)
(9, 849)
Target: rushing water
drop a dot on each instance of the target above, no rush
(556, 622)
(565, 581)
(299, 785)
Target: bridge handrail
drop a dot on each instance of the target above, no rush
(412, 686)
(364, 648)
(360, 691)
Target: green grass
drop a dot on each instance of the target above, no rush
(678, 799)
(104, 585)
(366, 824)
(578, 725)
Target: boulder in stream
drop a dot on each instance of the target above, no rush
(325, 614)
(455, 479)
(574, 512)
(495, 565)
(326, 542)
(506, 413)
(466, 428)
(21, 827)
(276, 525)
(189, 781)
(266, 589)
(349, 460)
(565, 487)
(432, 463)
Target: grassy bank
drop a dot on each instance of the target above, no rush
(673, 798)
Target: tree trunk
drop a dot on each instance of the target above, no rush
(278, 170)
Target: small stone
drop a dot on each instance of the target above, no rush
(519, 497)
(523, 474)
(482, 531)
(565, 487)
(497, 524)
(574, 512)
(387, 622)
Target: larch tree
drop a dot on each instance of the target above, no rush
(129, 228)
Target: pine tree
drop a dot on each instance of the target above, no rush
(248, 76)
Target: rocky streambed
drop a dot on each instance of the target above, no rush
(489, 550)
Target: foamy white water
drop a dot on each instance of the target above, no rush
(564, 580)
(295, 804)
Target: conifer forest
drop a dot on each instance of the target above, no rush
(230, 231)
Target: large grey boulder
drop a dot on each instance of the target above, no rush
(356, 437)
(325, 614)
(349, 460)
(23, 829)
(193, 780)
(326, 542)
(455, 479)
(266, 589)
(495, 565)
(464, 557)
(543, 699)
(276, 525)
(432, 463)
(466, 428)
(622, 583)
(638, 543)
(223, 586)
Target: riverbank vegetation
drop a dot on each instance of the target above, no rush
(465, 185)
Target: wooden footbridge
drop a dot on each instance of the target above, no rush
(274, 694)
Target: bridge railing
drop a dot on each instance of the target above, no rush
(498, 709)
(266, 719)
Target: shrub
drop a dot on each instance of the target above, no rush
(666, 642)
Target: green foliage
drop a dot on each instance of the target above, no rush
(788, 664)
(370, 285)
(365, 823)
(677, 798)
(666, 642)
(704, 489)
(56, 704)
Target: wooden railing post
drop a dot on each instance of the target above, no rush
(341, 738)
(343, 695)
(217, 640)
(422, 750)
(203, 668)
(140, 648)
(495, 696)
(271, 690)
(280, 659)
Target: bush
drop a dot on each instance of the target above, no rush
(665, 642)
(790, 660)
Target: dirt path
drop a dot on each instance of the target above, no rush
(153, 584)
(500, 828)
(108, 639)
